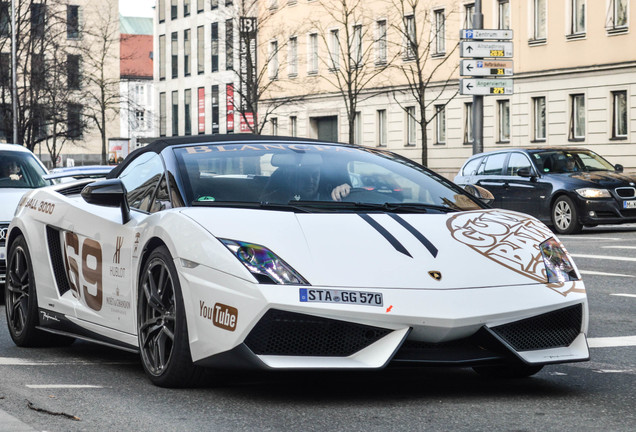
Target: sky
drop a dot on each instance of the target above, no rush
(136, 8)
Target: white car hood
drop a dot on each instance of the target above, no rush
(381, 250)
(9, 199)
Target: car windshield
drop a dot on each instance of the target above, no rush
(274, 175)
(559, 161)
(20, 170)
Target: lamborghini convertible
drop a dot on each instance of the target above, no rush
(213, 252)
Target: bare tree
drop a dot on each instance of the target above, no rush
(260, 81)
(426, 56)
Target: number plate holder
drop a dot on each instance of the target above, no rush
(316, 295)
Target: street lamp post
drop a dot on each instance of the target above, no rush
(14, 78)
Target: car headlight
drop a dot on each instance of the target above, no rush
(264, 264)
(558, 266)
(593, 193)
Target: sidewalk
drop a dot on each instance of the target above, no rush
(9, 423)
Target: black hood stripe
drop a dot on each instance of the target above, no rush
(387, 235)
(418, 235)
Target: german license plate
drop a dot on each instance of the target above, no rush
(314, 295)
(629, 204)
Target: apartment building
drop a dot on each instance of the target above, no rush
(575, 75)
(57, 49)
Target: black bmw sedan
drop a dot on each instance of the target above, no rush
(566, 188)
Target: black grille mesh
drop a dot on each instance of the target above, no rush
(550, 330)
(57, 260)
(293, 334)
(626, 192)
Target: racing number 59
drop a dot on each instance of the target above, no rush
(91, 258)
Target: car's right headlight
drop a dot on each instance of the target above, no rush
(557, 262)
(593, 193)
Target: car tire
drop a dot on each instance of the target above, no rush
(161, 324)
(565, 218)
(21, 304)
(511, 371)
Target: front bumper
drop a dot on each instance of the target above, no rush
(604, 211)
(535, 324)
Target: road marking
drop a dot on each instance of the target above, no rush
(618, 247)
(611, 342)
(604, 257)
(624, 295)
(589, 238)
(61, 386)
(603, 371)
(595, 273)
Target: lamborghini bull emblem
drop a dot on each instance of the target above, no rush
(435, 275)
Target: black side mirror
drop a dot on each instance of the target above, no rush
(618, 168)
(108, 193)
(525, 172)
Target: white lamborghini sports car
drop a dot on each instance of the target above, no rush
(287, 253)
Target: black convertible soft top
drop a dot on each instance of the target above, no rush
(159, 145)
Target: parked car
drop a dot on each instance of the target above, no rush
(567, 188)
(289, 253)
(20, 171)
(70, 174)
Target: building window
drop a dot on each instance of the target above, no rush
(334, 49)
(38, 70)
(617, 16)
(214, 47)
(200, 5)
(162, 57)
(74, 121)
(356, 58)
(410, 37)
(503, 110)
(229, 45)
(73, 71)
(440, 124)
(5, 65)
(215, 109)
(175, 113)
(5, 19)
(187, 111)
(274, 125)
(293, 126)
(577, 117)
(174, 51)
(313, 54)
(619, 121)
(140, 122)
(381, 116)
(539, 118)
(293, 57)
(200, 51)
(72, 22)
(273, 60)
(186, 8)
(38, 19)
(503, 14)
(161, 5)
(469, 11)
(410, 126)
(357, 128)
(380, 51)
(214, 4)
(468, 123)
(578, 17)
(540, 26)
(162, 114)
(173, 9)
(440, 32)
(187, 51)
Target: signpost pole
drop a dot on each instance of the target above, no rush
(14, 78)
(478, 100)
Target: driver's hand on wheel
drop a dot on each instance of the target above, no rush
(340, 192)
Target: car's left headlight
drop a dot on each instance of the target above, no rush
(264, 264)
(558, 266)
(593, 193)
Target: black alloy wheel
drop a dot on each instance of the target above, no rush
(161, 324)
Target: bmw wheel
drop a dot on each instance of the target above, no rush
(565, 217)
(20, 297)
(161, 324)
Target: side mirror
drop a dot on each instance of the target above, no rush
(618, 168)
(480, 192)
(525, 172)
(108, 193)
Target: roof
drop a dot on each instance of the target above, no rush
(531, 149)
(13, 147)
(135, 56)
(135, 25)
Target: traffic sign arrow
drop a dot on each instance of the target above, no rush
(486, 67)
(482, 49)
(484, 86)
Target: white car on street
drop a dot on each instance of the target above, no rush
(245, 251)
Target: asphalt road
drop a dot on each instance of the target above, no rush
(106, 389)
